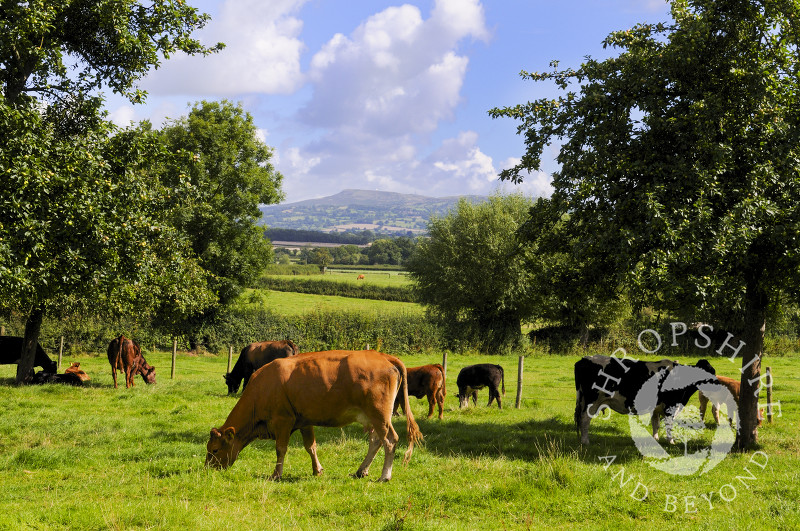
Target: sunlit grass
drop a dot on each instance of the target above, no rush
(98, 457)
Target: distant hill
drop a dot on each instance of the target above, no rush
(359, 210)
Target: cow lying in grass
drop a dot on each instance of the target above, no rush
(332, 389)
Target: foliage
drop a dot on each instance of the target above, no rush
(680, 163)
(58, 49)
(228, 170)
(80, 223)
(471, 274)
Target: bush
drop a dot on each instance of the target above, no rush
(340, 289)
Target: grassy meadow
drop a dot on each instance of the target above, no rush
(288, 303)
(96, 457)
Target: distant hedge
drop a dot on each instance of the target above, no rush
(341, 289)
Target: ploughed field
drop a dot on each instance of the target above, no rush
(97, 457)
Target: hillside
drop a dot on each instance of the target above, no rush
(358, 210)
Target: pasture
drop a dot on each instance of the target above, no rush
(96, 457)
(289, 303)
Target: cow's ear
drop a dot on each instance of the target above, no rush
(215, 433)
(229, 433)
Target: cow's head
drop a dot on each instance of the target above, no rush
(148, 372)
(706, 366)
(221, 450)
(233, 383)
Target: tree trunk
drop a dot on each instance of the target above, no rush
(753, 336)
(33, 327)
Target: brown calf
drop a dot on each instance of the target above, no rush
(733, 387)
(126, 355)
(427, 380)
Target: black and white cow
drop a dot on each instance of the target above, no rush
(610, 382)
(475, 377)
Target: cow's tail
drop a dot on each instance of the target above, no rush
(444, 379)
(412, 429)
(503, 380)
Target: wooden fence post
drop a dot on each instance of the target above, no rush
(2, 330)
(519, 381)
(769, 395)
(174, 356)
(444, 363)
(60, 354)
(230, 357)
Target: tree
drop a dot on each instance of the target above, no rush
(228, 170)
(322, 257)
(110, 43)
(571, 291)
(470, 274)
(679, 163)
(79, 221)
(384, 251)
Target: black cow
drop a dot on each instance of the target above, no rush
(253, 357)
(11, 348)
(475, 377)
(609, 382)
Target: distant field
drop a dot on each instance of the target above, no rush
(288, 303)
(380, 278)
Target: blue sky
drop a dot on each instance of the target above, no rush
(384, 95)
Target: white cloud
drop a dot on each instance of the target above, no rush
(262, 53)
(396, 74)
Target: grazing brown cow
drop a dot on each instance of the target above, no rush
(126, 355)
(253, 357)
(360, 277)
(332, 389)
(427, 380)
(733, 387)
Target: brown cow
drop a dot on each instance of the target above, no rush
(427, 380)
(733, 387)
(126, 355)
(253, 357)
(332, 389)
(360, 277)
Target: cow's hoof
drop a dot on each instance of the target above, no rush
(384, 480)
(318, 472)
(360, 474)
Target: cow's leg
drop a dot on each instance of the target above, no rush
(703, 405)
(440, 402)
(129, 376)
(114, 375)
(583, 426)
(431, 402)
(281, 445)
(655, 422)
(474, 398)
(715, 413)
(375, 441)
(310, 444)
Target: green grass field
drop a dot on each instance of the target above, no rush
(288, 303)
(102, 458)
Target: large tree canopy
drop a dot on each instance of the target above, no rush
(680, 162)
